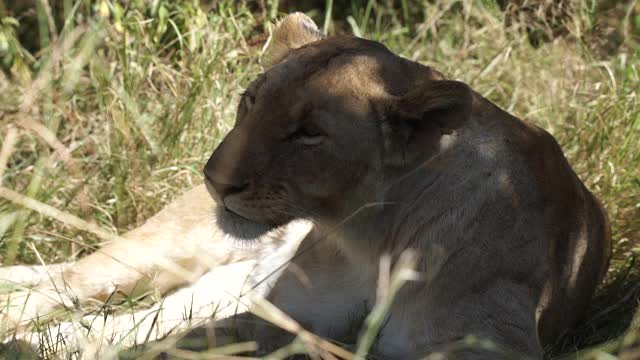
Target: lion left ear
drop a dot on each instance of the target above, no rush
(416, 121)
(292, 32)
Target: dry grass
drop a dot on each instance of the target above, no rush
(121, 106)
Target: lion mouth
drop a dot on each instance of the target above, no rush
(239, 226)
(230, 212)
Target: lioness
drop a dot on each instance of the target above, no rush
(381, 154)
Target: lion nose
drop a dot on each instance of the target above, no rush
(221, 186)
(226, 170)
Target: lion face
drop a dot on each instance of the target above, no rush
(325, 131)
(302, 145)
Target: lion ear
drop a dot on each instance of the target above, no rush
(416, 121)
(292, 32)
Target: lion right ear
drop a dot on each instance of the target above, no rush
(292, 32)
(415, 122)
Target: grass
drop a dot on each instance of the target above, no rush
(115, 108)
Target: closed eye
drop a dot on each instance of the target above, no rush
(307, 135)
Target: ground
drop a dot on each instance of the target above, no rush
(113, 109)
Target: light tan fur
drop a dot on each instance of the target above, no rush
(289, 33)
(180, 252)
(381, 155)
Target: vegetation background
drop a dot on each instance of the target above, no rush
(109, 108)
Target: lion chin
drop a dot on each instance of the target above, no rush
(239, 227)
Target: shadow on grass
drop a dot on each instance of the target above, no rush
(609, 316)
(17, 350)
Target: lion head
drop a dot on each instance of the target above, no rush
(329, 127)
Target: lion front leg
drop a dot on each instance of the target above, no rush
(118, 269)
(97, 276)
(172, 248)
(17, 300)
(18, 275)
(218, 294)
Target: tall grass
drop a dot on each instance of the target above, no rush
(120, 104)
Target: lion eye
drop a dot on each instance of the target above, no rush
(307, 135)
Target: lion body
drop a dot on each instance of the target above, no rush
(383, 155)
(512, 248)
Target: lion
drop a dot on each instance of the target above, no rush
(348, 153)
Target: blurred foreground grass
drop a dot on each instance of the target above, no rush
(114, 106)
